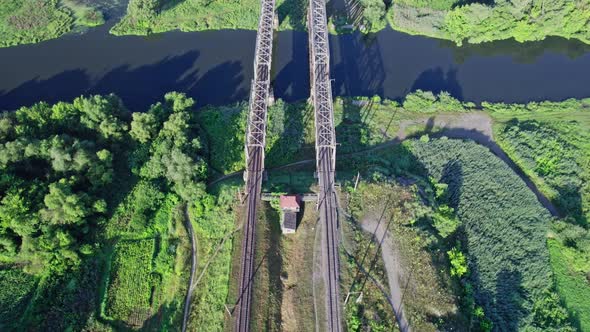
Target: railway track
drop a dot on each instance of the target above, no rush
(254, 149)
(321, 95)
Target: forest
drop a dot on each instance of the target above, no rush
(89, 191)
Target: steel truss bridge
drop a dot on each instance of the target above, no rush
(254, 149)
(321, 97)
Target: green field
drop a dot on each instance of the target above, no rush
(151, 16)
(132, 285)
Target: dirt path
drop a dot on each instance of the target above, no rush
(391, 260)
(191, 288)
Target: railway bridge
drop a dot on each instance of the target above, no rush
(325, 146)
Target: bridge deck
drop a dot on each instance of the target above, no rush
(321, 94)
(254, 149)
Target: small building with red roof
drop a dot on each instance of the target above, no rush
(290, 205)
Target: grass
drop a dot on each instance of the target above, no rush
(84, 14)
(367, 307)
(268, 289)
(551, 144)
(33, 21)
(147, 268)
(132, 285)
(213, 222)
(297, 251)
(430, 297)
(571, 285)
(16, 290)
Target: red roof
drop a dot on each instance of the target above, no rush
(289, 202)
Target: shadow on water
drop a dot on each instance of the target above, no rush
(360, 70)
(524, 53)
(138, 87)
(436, 80)
(292, 80)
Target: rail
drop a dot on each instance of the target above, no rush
(321, 95)
(254, 150)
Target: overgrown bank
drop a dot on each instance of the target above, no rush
(32, 21)
(456, 20)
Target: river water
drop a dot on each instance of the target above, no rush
(215, 67)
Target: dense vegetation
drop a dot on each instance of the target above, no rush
(152, 16)
(287, 133)
(481, 21)
(86, 182)
(504, 229)
(92, 197)
(31, 21)
(550, 143)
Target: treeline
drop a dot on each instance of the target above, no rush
(483, 21)
(63, 171)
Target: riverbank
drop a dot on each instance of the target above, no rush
(453, 20)
(30, 21)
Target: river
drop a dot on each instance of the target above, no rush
(215, 67)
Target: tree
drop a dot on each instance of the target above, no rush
(16, 214)
(178, 101)
(6, 127)
(100, 113)
(63, 207)
(144, 127)
(549, 314)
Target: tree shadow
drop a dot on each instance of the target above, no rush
(460, 3)
(67, 301)
(524, 53)
(139, 87)
(437, 81)
(286, 127)
(485, 140)
(452, 175)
